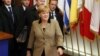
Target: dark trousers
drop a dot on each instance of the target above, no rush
(17, 49)
(12, 47)
(22, 48)
(43, 53)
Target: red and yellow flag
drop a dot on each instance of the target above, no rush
(73, 14)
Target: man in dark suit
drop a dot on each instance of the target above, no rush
(56, 13)
(10, 19)
(22, 41)
(33, 12)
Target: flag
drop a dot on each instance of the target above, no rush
(66, 13)
(73, 14)
(85, 17)
(95, 18)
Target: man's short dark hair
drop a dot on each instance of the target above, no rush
(52, 0)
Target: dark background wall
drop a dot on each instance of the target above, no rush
(0, 2)
(18, 2)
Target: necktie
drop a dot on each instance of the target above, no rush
(52, 17)
(11, 13)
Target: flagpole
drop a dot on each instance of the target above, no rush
(84, 46)
(83, 36)
(91, 48)
(97, 45)
(77, 33)
(64, 27)
(77, 42)
(66, 42)
(72, 42)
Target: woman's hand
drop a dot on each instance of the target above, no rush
(28, 53)
(60, 51)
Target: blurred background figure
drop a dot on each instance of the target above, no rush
(56, 13)
(22, 37)
(10, 21)
(33, 10)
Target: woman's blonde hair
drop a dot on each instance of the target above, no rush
(43, 8)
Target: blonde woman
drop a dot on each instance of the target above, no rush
(46, 38)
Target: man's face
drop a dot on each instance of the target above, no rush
(53, 5)
(26, 2)
(7, 2)
(40, 2)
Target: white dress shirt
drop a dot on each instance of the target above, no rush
(24, 8)
(7, 6)
(54, 15)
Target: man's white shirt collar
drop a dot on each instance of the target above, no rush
(7, 6)
(54, 14)
(24, 8)
(36, 7)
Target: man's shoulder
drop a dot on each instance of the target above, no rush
(33, 7)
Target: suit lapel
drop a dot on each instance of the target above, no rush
(47, 26)
(22, 10)
(8, 19)
(40, 27)
(5, 11)
(36, 15)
